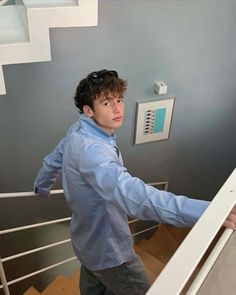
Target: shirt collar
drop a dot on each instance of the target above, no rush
(90, 126)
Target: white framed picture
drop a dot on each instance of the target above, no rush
(153, 120)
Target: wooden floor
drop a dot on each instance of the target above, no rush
(154, 252)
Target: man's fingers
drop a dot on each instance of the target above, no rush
(233, 210)
(231, 217)
(230, 224)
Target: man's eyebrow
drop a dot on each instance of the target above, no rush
(111, 98)
(118, 96)
(108, 98)
(105, 98)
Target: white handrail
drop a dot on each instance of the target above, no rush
(60, 191)
(211, 259)
(5, 283)
(35, 250)
(196, 243)
(11, 230)
(27, 194)
(39, 271)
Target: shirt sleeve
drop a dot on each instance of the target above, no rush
(50, 170)
(139, 200)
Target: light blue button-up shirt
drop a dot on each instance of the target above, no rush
(101, 193)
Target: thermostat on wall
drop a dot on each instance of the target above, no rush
(153, 120)
(160, 88)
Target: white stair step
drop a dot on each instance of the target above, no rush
(49, 3)
(11, 26)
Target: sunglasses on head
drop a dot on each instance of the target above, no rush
(98, 77)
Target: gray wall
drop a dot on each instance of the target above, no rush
(191, 45)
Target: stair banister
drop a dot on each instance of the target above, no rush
(201, 276)
(192, 249)
(4, 281)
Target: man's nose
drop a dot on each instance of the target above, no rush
(116, 107)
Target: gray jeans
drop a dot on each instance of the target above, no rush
(129, 278)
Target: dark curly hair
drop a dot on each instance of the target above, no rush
(95, 84)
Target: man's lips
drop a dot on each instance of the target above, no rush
(117, 119)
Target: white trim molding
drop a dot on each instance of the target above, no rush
(24, 28)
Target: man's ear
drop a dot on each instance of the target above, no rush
(87, 111)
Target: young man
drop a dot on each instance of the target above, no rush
(101, 193)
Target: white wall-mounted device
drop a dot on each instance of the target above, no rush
(160, 88)
(153, 120)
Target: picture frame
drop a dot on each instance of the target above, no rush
(153, 120)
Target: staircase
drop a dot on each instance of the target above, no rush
(60, 286)
(155, 253)
(24, 28)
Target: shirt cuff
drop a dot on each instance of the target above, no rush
(41, 193)
(194, 209)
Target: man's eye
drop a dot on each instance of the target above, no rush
(107, 103)
(120, 100)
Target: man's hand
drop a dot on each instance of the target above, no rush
(230, 221)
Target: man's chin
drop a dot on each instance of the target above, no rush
(118, 125)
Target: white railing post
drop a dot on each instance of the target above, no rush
(3, 279)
